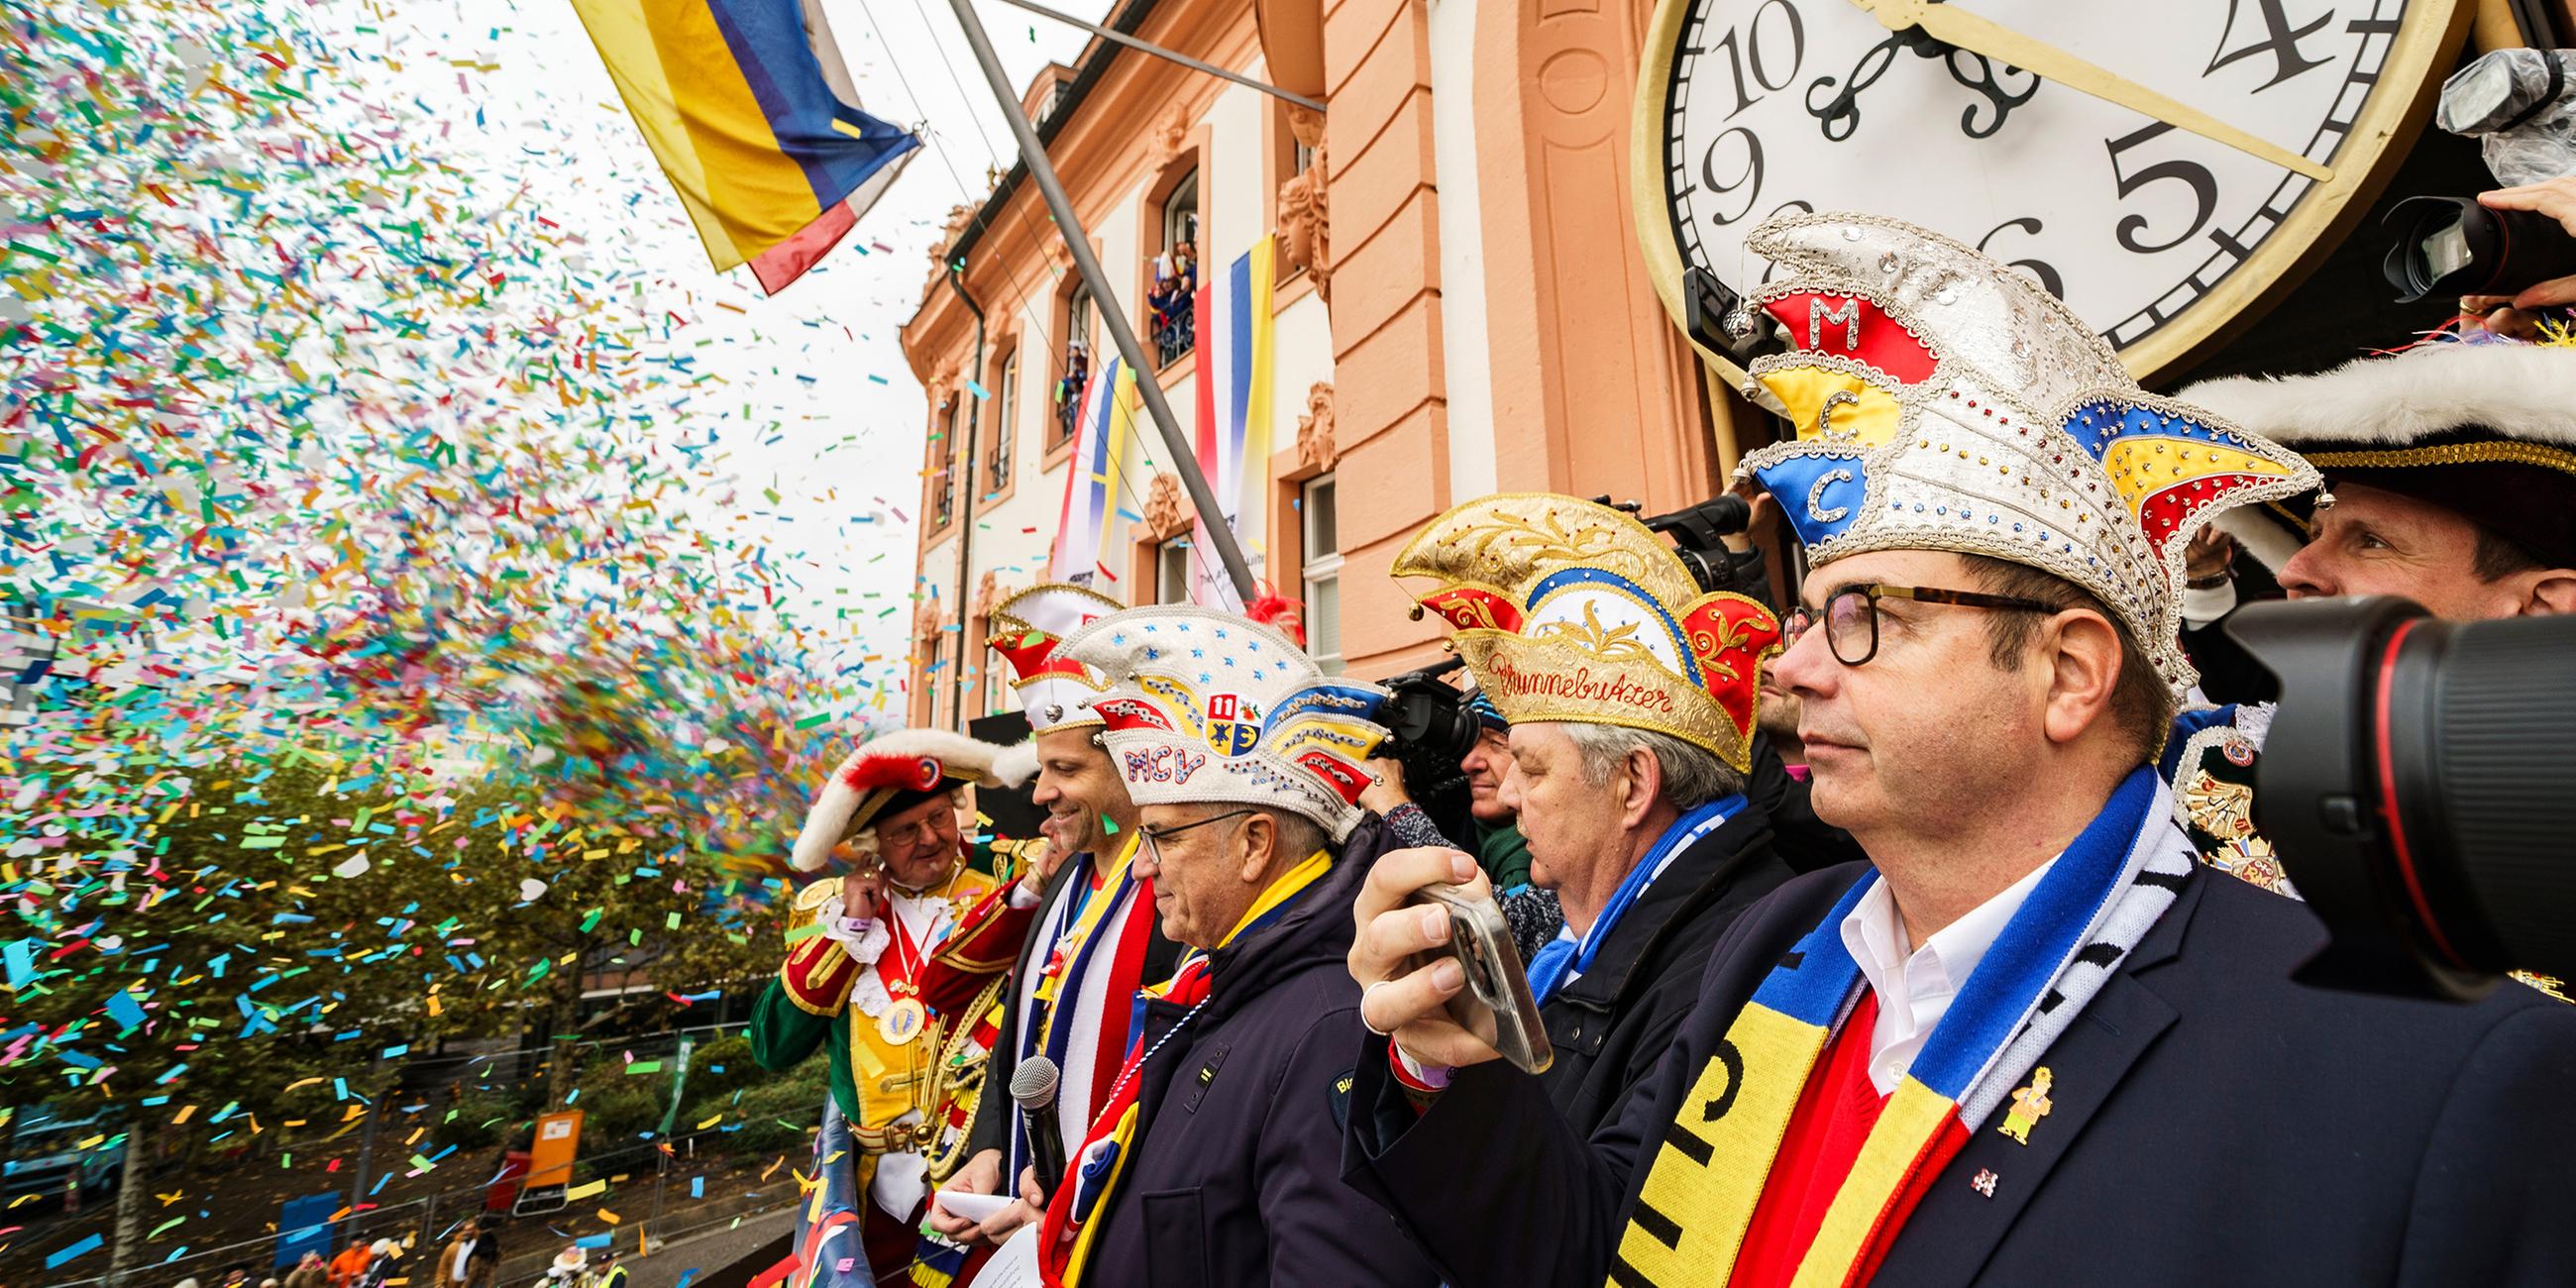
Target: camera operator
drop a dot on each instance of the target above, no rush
(1500, 849)
(2450, 480)
(2519, 315)
(1636, 820)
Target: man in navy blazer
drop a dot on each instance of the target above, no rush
(2213, 1123)
(2032, 1040)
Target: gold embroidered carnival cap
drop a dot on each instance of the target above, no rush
(1570, 610)
(1027, 630)
(1945, 402)
(1206, 707)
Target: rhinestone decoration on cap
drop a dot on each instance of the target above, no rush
(1206, 707)
(1954, 405)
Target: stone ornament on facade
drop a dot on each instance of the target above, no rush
(1167, 508)
(925, 627)
(1305, 223)
(955, 226)
(1173, 133)
(989, 594)
(1315, 448)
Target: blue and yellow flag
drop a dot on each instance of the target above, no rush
(750, 111)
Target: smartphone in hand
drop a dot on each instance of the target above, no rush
(1496, 1005)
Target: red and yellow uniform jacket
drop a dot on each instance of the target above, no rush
(881, 1068)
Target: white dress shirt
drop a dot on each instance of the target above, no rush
(1915, 985)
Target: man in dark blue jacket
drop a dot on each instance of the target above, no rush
(1631, 786)
(1216, 1157)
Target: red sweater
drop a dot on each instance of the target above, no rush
(1824, 1138)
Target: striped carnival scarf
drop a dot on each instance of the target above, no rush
(1065, 1238)
(2078, 923)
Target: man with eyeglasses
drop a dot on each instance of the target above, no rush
(895, 970)
(2032, 1040)
(1216, 1157)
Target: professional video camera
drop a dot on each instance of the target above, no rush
(1429, 731)
(2415, 786)
(2520, 104)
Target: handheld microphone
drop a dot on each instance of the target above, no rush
(1033, 1087)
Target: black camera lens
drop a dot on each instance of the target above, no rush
(2454, 246)
(2415, 785)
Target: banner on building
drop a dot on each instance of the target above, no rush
(753, 116)
(1235, 328)
(1087, 530)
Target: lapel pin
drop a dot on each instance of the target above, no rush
(1984, 1181)
(2029, 1105)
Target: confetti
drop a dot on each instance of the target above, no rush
(382, 597)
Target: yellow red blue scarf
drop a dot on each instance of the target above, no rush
(1708, 1174)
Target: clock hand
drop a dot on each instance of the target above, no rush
(1956, 26)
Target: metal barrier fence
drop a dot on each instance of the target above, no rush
(424, 1224)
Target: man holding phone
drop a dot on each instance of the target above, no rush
(1988, 1054)
(1629, 698)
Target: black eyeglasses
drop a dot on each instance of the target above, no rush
(1850, 614)
(1154, 837)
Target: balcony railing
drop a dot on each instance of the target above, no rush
(1173, 301)
(1176, 329)
(1069, 391)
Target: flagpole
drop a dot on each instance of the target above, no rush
(1033, 153)
(1115, 35)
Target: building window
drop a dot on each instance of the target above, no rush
(944, 482)
(1006, 425)
(1174, 295)
(1323, 574)
(1077, 365)
(1172, 572)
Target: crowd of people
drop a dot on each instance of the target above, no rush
(1905, 924)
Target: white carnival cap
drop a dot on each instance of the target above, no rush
(1208, 707)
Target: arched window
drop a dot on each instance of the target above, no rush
(1077, 364)
(1006, 424)
(1174, 296)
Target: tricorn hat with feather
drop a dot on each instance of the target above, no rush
(2486, 430)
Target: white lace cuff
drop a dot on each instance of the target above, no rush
(863, 938)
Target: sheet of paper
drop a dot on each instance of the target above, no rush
(973, 1207)
(1015, 1263)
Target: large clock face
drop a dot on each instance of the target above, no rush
(2155, 235)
